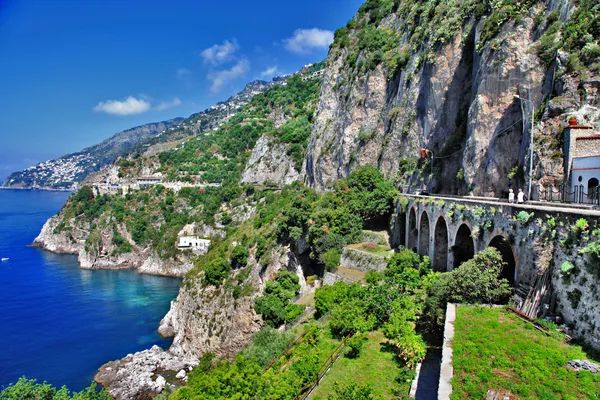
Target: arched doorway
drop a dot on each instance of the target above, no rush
(504, 248)
(592, 189)
(464, 248)
(412, 230)
(424, 234)
(440, 246)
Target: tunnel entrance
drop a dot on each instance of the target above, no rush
(424, 235)
(504, 248)
(412, 230)
(440, 246)
(464, 248)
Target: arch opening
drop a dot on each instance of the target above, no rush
(412, 230)
(592, 188)
(400, 230)
(501, 244)
(464, 248)
(424, 234)
(440, 246)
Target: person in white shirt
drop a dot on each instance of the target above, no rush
(511, 196)
(520, 197)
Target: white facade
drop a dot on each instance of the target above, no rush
(194, 243)
(585, 171)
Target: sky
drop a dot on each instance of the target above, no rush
(73, 73)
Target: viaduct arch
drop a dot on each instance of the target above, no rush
(443, 231)
(440, 248)
(501, 243)
(464, 246)
(424, 234)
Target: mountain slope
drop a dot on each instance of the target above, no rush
(68, 171)
(65, 172)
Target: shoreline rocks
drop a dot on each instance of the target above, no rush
(139, 376)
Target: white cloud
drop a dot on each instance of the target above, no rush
(220, 78)
(167, 104)
(219, 53)
(183, 73)
(270, 72)
(129, 106)
(305, 40)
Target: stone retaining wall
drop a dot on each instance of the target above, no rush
(362, 261)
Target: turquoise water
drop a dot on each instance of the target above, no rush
(58, 322)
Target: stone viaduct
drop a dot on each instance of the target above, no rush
(450, 230)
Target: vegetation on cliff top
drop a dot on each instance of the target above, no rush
(392, 32)
(26, 389)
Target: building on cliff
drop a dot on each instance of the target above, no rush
(194, 243)
(582, 161)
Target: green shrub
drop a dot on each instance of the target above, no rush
(239, 256)
(355, 345)
(331, 259)
(215, 271)
(475, 281)
(274, 306)
(524, 217)
(26, 389)
(351, 390)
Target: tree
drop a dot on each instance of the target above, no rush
(215, 271)
(239, 256)
(30, 389)
(475, 281)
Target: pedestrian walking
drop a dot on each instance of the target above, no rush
(520, 196)
(511, 196)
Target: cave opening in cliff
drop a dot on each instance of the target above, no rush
(440, 246)
(424, 234)
(501, 244)
(379, 223)
(464, 248)
(412, 230)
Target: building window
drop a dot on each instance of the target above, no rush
(579, 179)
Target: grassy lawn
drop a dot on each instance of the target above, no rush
(377, 249)
(375, 366)
(495, 349)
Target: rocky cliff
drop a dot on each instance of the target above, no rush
(202, 319)
(461, 80)
(106, 254)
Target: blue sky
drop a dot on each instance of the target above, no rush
(73, 73)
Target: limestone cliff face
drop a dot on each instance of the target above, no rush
(50, 240)
(457, 100)
(269, 163)
(202, 319)
(103, 255)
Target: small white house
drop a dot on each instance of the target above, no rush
(194, 243)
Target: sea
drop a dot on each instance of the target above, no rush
(60, 323)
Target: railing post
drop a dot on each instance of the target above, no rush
(562, 187)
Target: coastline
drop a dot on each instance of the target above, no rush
(37, 189)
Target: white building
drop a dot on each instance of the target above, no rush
(582, 151)
(194, 243)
